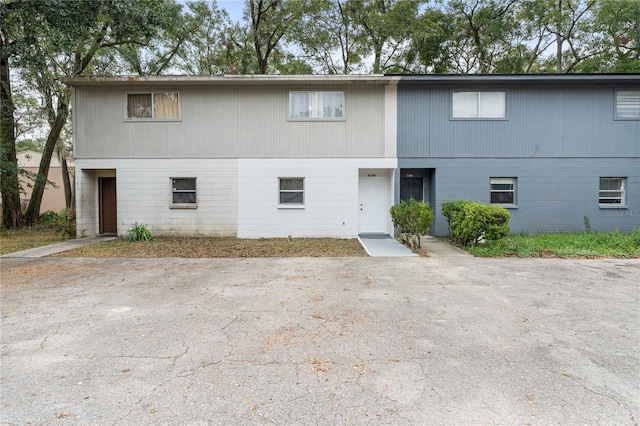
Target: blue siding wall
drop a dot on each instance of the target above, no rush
(552, 194)
(557, 141)
(559, 121)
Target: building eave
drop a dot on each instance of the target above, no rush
(434, 79)
(230, 80)
(346, 80)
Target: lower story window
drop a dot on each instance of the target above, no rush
(612, 191)
(183, 192)
(291, 191)
(503, 190)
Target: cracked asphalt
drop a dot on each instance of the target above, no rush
(402, 341)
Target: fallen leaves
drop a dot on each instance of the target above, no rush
(318, 365)
(222, 247)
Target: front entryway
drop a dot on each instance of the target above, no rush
(108, 206)
(411, 188)
(372, 205)
(415, 183)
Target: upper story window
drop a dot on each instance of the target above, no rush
(478, 105)
(161, 105)
(628, 104)
(612, 192)
(316, 105)
(503, 190)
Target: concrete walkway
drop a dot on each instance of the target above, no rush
(434, 247)
(45, 251)
(384, 246)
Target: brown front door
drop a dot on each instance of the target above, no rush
(108, 207)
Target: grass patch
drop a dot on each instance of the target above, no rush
(204, 247)
(13, 240)
(564, 245)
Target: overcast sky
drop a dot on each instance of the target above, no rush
(233, 7)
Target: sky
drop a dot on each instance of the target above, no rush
(233, 7)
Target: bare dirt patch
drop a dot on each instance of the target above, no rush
(205, 247)
(24, 274)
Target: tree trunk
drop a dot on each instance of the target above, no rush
(67, 182)
(377, 58)
(33, 211)
(262, 62)
(9, 183)
(559, 39)
(72, 204)
(256, 15)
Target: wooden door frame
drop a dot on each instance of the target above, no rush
(101, 210)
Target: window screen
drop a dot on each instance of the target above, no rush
(291, 191)
(316, 105)
(612, 191)
(153, 105)
(183, 190)
(479, 105)
(503, 190)
(628, 104)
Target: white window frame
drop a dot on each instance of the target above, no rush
(193, 205)
(153, 95)
(619, 201)
(627, 104)
(458, 113)
(314, 102)
(290, 205)
(513, 181)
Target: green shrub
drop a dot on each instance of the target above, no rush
(477, 220)
(138, 232)
(635, 236)
(48, 217)
(412, 220)
(63, 221)
(452, 208)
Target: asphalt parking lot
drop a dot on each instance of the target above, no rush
(406, 341)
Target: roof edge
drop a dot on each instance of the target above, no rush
(326, 80)
(227, 79)
(520, 78)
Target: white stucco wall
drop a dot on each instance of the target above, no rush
(330, 194)
(234, 197)
(144, 195)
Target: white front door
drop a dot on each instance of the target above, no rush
(372, 205)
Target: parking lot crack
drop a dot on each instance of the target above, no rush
(620, 404)
(45, 340)
(139, 401)
(173, 358)
(193, 370)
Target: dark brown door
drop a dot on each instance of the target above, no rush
(108, 206)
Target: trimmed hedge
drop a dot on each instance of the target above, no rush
(412, 220)
(472, 221)
(452, 208)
